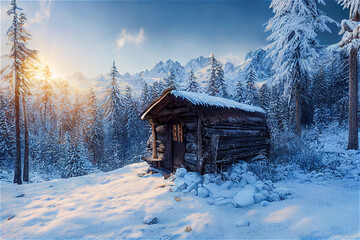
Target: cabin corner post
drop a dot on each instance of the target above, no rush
(214, 149)
(154, 153)
(199, 143)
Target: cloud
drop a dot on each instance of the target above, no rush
(125, 37)
(43, 13)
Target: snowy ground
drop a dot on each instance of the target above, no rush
(114, 205)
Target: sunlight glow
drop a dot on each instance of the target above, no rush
(281, 215)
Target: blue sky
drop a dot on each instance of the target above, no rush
(87, 36)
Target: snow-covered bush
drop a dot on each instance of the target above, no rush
(305, 151)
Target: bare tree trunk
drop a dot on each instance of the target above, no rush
(17, 175)
(26, 153)
(353, 100)
(297, 110)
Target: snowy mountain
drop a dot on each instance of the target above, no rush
(200, 66)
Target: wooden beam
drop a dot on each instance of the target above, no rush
(235, 132)
(214, 148)
(199, 143)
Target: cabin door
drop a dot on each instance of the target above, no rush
(178, 145)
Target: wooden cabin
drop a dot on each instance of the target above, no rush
(203, 133)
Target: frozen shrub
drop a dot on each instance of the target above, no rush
(261, 167)
(306, 151)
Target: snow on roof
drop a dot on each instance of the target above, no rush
(200, 99)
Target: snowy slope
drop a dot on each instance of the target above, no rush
(114, 204)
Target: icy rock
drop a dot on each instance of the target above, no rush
(274, 197)
(179, 184)
(266, 193)
(191, 176)
(203, 192)
(243, 182)
(211, 201)
(208, 178)
(242, 223)
(250, 188)
(180, 172)
(259, 197)
(282, 192)
(250, 179)
(193, 184)
(223, 201)
(149, 220)
(193, 192)
(259, 186)
(226, 185)
(264, 203)
(244, 198)
(268, 185)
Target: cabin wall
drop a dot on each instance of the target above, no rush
(225, 143)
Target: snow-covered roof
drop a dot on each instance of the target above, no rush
(203, 100)
(200, 99)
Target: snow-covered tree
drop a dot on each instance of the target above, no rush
(170, 81)
(5, 134)
(293, 45)
(93, 129)
(192, 85)
(145, 98)
(320, 93)
(264, 97)
(351, 39)
(65, 120)
(240, 92)
(76, 163)
(216, 85)
(18, 37)
(251, 87)
(113, 116)
(45, 102)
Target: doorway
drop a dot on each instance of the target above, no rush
(178, 145)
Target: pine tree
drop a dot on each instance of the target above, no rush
(216, 85)
(240, 92)
(212, 86)
(320, 93)
(278, 109)
(75, 157)
(351, 39)
(170, 80)
(251, 87)
(145, 95)
(45, 103)
(64, 108)
(5, 134)
(293, 46)
(220, 81)
(19, 53)
(264, 97)
(113, 116)
(192, 85)
(93, 130)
